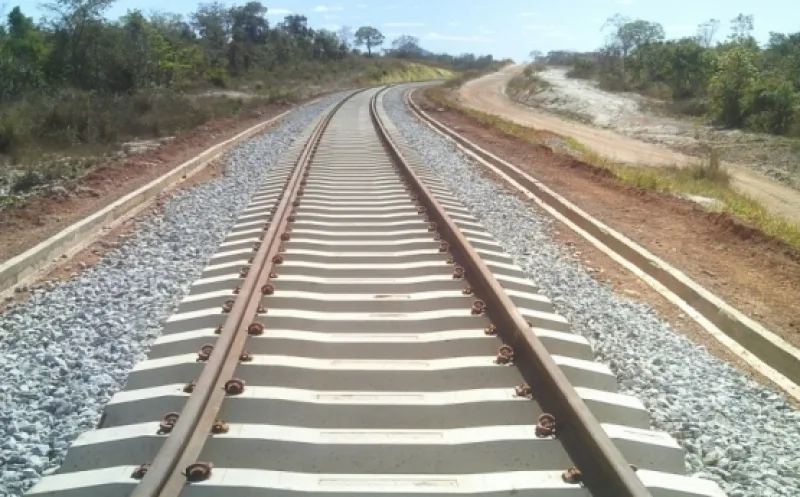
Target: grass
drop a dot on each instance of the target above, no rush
(402, 72)
(527, 83)
(462, 78)
(470, 74)
(707, 178)
(61, 135)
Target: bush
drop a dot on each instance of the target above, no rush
(462, 78)
(695, 107)
(661, 91)
(612, 82)
(582, 68)
(730, 86)
(711, 170)
(11, 132)
(528, 71)
(26, 181)
(74, 117)
(772, 106)
(219, 78)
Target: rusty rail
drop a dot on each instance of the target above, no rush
(177, 459)
(603, 467)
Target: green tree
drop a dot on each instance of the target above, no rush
(629, 35)
(78, 26)
(249, 31)
(369, 36)
(706, 32)
(772, 105)
(731, 86)
(213, 23)
(741, 28)
(23, 50)
(405, 46)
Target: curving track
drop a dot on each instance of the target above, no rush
(370, 367)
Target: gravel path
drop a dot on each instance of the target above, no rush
(64, 353)
(734, 431)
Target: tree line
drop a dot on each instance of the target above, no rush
(735, 81)
(75, 46)
(76, 77)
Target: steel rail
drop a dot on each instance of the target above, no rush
(165, 476)
(603, 467)
(746, 338)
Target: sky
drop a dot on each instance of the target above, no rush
(503, 28)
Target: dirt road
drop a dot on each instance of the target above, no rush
(488, 95)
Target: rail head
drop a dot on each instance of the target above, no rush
(166, 476)
(604, 469)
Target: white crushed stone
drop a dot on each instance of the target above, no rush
(65, 352)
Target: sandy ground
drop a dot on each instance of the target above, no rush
(619, 130)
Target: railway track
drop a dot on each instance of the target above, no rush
(359, 333)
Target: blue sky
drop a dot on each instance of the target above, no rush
(504, 28)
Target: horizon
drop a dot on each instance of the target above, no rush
(481, 28)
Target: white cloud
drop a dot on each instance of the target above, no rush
(527, 14)
(361, 6)
(326, 8)
(403, 24)
(443, 37)
(332, 27)
(278, 12)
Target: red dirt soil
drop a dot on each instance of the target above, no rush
(42, 217)
(756, 274)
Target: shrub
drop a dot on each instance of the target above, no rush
(772, 106)
(695, 107)
(582, 68)
(661, 91)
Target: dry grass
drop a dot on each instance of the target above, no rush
(402, 72)
(470, 74)
(59, 137)
(527, 83)
(707, 178)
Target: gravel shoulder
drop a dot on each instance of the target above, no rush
(67, 349)
(734, 430)
(637, 137)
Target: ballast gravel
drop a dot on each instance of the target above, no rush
(734, 431)
(65, 352)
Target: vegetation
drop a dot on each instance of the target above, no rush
(79, 82)
(706, 178)
(527, 82)
(735, 82)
